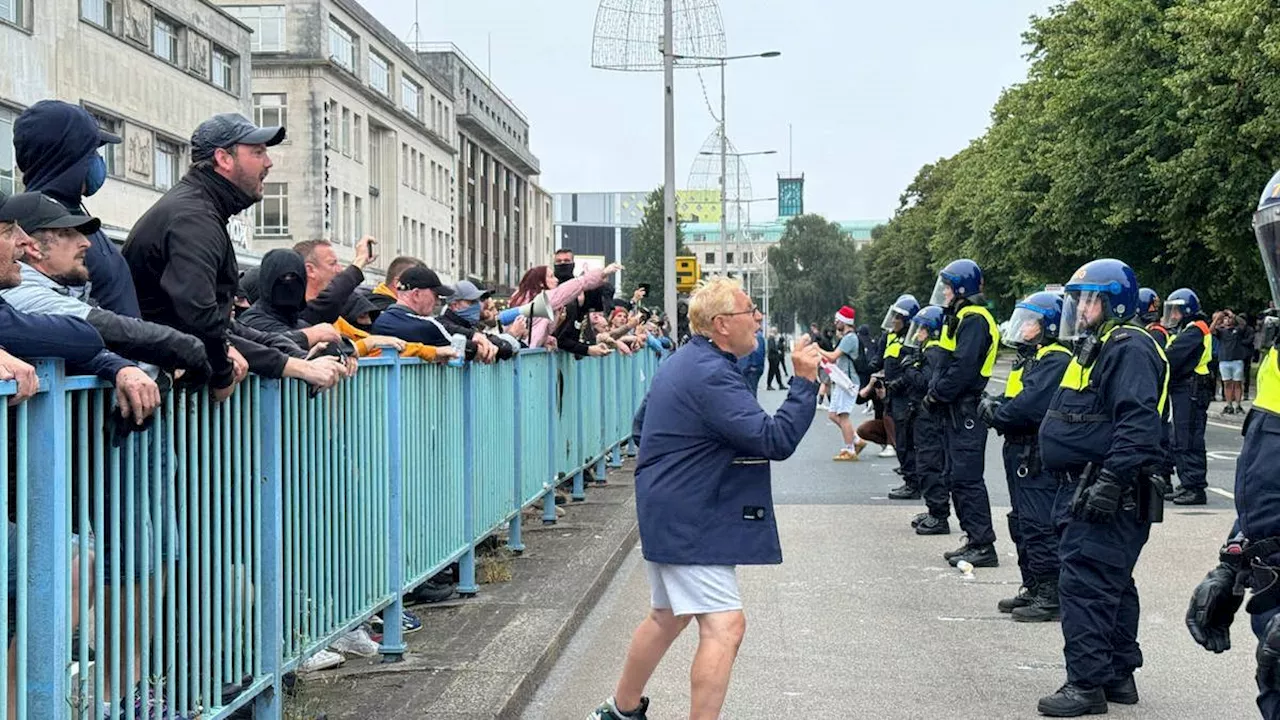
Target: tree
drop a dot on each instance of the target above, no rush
(814, 269)
(646, 262)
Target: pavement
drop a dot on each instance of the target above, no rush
(863, 619)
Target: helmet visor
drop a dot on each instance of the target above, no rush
(1083, 312)
(941, 293)
(1024, 329)
(895, 320)
(1174, 310)
(1266, 228)
(917, 335)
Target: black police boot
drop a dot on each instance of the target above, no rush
(905, 491)
(958, 551)
(977, 556)
(1044, 604)
(1022, 599)
(1170, 492)
(919, 518)
(1190, 497)
(1072, 700)
(1123, 691)
(931, 525)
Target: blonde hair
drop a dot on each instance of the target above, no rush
(711, 298)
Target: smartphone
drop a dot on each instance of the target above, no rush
(645, 288)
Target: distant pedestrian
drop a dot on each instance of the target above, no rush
(703, 495)
(775, 348)
(846, 356)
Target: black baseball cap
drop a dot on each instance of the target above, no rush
(226, 129)
(33, 211)
(422, 278)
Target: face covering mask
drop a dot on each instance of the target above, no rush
(564, 271)
(470, 313)
(97, 175)
(289, 293)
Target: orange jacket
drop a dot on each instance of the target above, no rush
(358, 336)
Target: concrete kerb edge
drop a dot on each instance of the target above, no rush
(528, 686)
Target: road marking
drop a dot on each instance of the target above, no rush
(1223, 493)
(1223, 454)
(1225, 426)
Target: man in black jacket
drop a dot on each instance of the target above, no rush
(179, 251)
(329, 285)
(54, 276)
(281, 307)
(56, 145)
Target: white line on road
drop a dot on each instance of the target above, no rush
(1223, 493)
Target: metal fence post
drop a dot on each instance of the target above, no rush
(49, 546)
(515, 542)
(467, 563)
(392, 636)
(553, 419)
(579, 475)
(270, 705)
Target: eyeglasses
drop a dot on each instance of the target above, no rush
(753, 310)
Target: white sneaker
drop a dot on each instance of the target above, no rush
(322, 660)
(357, 642)
(888, 452)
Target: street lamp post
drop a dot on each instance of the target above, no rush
(724, 147)
(669, 181)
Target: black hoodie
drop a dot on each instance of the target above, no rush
(54, 143)
(282, 293)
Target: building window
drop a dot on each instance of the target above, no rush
(346, 220)
(422, 173)
(270, 109)
(224, 69)
(334, 215)
(404, 164)
(331, 132)
(411, 97)
(267, 22)
(99, 12)
(346, 131)
(342, 45)
(167, 169)
(359, 218)
(112, 153)
(358, 146)
(8, 162)
(728, 258)
(11, 12)
(271, 215)
(379, 73)
(164, 39)
(710, 258)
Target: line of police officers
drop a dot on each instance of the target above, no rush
(1106, 398)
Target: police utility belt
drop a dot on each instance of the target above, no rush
(1028, 453)
(1254, 571)
(1144, 495)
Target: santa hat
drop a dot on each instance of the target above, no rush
(845, 315)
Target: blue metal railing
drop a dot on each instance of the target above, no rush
(193, 564)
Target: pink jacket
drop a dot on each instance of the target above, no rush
(564, 293)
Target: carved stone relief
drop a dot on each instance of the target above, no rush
(137, 22)
(139, 152)
(198, 54)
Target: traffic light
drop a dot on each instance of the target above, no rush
(687, 273)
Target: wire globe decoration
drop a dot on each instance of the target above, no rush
(628, 34)
(705, 176)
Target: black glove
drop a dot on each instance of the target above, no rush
(987, 408)
(1269, 655)
(1100, 501)
(931, 402)
(1213, 607)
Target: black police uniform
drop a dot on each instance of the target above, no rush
(928, 436)
(1190, 390)
(1258, 506)
(1106, 414)
(1031, 488)
(956, 389)
(900, 406)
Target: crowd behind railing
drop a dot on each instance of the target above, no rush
(213, 476)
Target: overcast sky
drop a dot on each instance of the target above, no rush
(873, 88)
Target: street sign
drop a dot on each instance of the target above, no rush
(687, 273)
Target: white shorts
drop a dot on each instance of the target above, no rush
(693, 589)
(842, 402)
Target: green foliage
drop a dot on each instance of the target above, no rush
(645, 263)
(1145, 131)
(814, 270)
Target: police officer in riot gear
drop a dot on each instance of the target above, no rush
(1150, 312)
(929, 464)
(896, 352)
(1101, 439)
(1036, 374)
(1190, 390)
(973, 338)
(1251, 557)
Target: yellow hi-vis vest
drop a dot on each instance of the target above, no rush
(893, 346)
(1269, 382)
(1013, 386)
(948, 340)
(1206, 353)
(1077, 376)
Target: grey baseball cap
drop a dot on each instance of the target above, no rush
(226, 129)
(467, 290)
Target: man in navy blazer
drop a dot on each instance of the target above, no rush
(703, 495)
